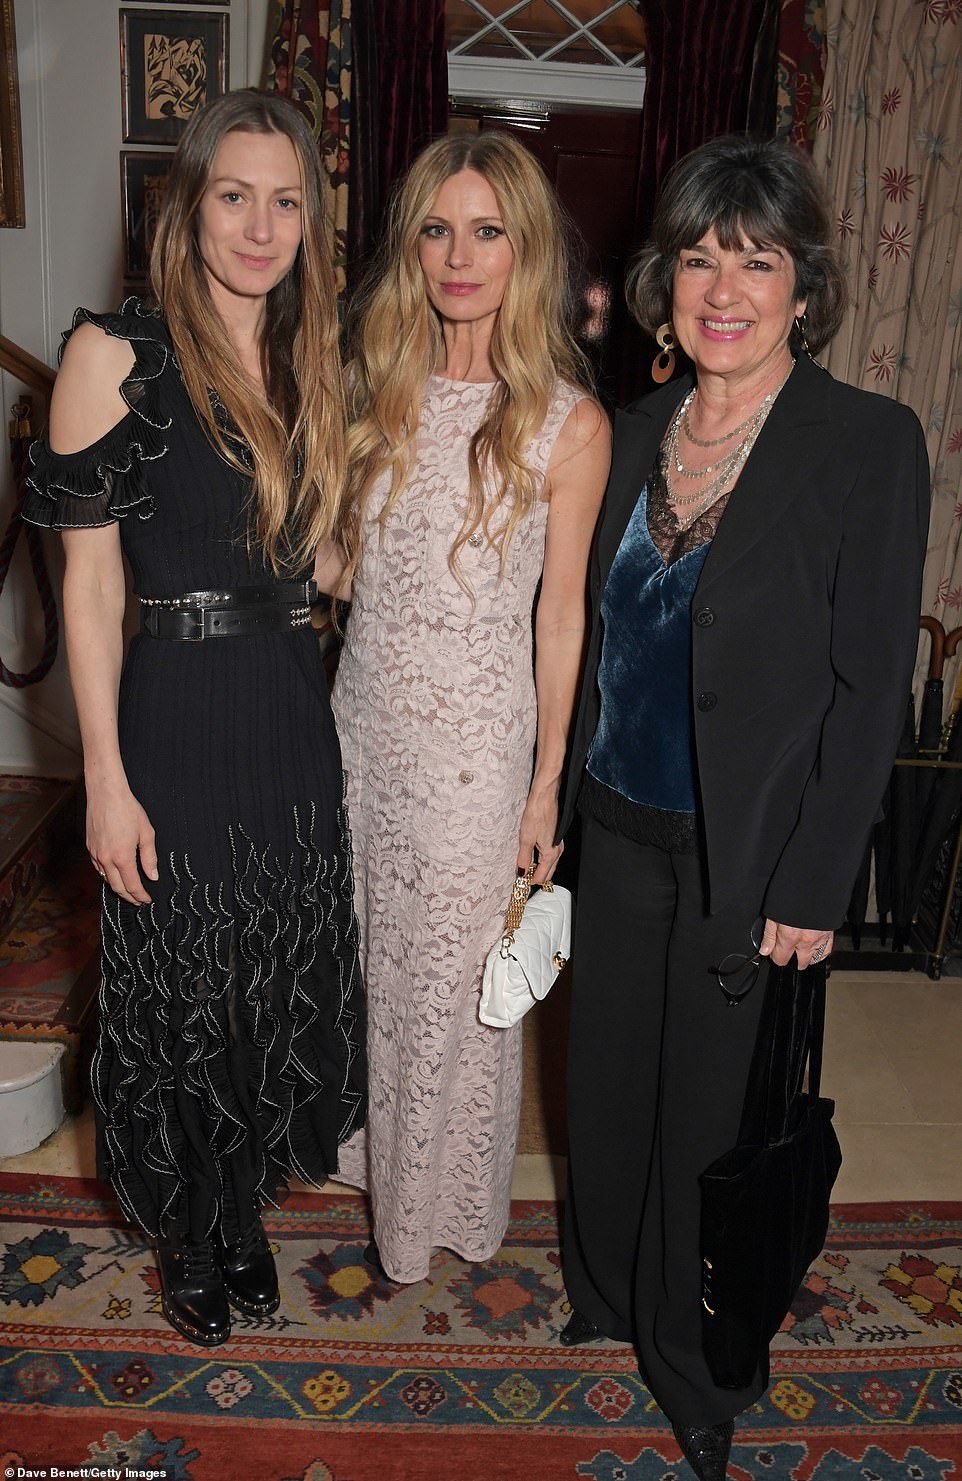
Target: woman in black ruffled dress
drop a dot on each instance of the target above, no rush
(231, 1011)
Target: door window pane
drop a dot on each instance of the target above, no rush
(588, 31)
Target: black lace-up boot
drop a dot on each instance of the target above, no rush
(706, 1448)
(250, 1275)
(192, 1291)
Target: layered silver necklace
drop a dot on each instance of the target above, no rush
(726, 468)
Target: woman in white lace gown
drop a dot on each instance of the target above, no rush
(479, 465)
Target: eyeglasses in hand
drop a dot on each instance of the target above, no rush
(738, 973)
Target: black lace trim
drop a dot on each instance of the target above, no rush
(674, 832)
(670, 541)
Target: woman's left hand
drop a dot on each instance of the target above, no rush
(781, 942)
(538, 824)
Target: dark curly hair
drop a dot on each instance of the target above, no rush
(756, 190)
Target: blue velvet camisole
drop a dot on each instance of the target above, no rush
(643, 747)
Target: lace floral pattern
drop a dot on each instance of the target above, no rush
(670, 541)
(436, 712)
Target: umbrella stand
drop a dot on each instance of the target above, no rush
(940, 843)
(937, 955)
(911, 791)
(918, 847)
(919, 957)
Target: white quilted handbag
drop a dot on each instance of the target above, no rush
(535, 946)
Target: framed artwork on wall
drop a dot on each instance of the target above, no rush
(143, 180)
(12, 211)
(172, 62)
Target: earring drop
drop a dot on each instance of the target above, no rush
(663, 366)
(800, 331)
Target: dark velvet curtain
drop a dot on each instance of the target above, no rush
(711, 69)
(400, 103)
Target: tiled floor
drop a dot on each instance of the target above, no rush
(893, 1063)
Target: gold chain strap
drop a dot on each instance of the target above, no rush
(519, 899)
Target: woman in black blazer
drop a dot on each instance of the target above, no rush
(754, 595)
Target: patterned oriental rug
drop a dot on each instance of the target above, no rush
(456, 1379)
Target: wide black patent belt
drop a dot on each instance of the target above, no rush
(241, 611)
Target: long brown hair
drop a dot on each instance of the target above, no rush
(296, 437)
(397, 342)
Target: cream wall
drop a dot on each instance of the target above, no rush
(68, 59)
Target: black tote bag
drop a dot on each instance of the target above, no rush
(764, 1204)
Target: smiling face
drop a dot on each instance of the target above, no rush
(732, 310)
(249, 220)
(464, 252)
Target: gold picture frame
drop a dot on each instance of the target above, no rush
(12, 209)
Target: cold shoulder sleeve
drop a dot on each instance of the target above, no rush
(106, 481)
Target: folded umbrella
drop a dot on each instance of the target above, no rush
(942, 811)
(894, 820)
(915, 790)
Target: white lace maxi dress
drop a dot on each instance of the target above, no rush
(436, 712)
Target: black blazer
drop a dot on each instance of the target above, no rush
(804, 632)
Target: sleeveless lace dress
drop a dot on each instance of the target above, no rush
(436, 712)
(231, 1047)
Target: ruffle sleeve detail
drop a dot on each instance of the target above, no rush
(108, 480)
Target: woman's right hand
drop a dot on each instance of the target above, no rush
(118, 832)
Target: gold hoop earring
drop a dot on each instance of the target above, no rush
(663, 365)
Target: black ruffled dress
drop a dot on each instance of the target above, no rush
(231, 1048)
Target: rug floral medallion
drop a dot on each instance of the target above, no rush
(458, 1378)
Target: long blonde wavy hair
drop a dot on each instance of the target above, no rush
(296, 436)
(397, 342)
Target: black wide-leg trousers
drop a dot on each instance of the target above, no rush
(657, 1068)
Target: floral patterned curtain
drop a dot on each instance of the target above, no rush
(310, 63)
(889, 143)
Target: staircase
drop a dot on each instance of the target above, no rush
(49, 956)
(49, 947)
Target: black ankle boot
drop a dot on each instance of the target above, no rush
(250, 1275)
(706, 1448)
(192, 1291)
(372, 1257)
(577, 1330)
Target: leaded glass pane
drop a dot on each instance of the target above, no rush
(588, 31)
